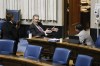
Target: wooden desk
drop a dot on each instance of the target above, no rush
(6, 60)
(18, 61)
(49, 48)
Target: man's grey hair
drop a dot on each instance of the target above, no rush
(36, 15)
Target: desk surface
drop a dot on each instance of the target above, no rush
(64, 43)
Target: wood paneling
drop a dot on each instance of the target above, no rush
(71, 15)
(74, 15)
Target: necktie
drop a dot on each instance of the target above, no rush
(40, 29)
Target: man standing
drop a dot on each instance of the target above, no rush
(10, 31)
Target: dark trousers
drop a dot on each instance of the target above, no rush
(15, 47)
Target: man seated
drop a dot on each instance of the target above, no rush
(36, 28)
(84, 37)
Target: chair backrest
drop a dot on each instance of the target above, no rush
(61, 55)
(6, 46)
(16, 14)
(33, 52)
(83, 60)
(97, 43)
(1, 23)
(23, 42)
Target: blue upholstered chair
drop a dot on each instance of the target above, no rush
(1, 23)
(16, 14)
(33, 52)
(6, 46)
(22, 45)
(97, 43)
(61, 55)
(83, 60)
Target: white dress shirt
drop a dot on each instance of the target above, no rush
(83, 35)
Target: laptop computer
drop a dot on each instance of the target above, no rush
(73, 39)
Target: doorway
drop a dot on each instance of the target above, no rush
(71, 16)
(76, 11)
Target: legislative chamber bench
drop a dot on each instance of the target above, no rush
(49, 48)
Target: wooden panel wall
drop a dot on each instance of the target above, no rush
(74, 15)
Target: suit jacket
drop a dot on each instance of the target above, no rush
(9, 31)
(35, 31)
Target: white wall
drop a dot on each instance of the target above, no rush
(93, 19)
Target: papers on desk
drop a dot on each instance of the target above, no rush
(54, 40)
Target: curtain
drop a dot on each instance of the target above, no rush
(46, 9)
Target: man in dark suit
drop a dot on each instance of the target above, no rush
(9, 31)
(36, 28)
